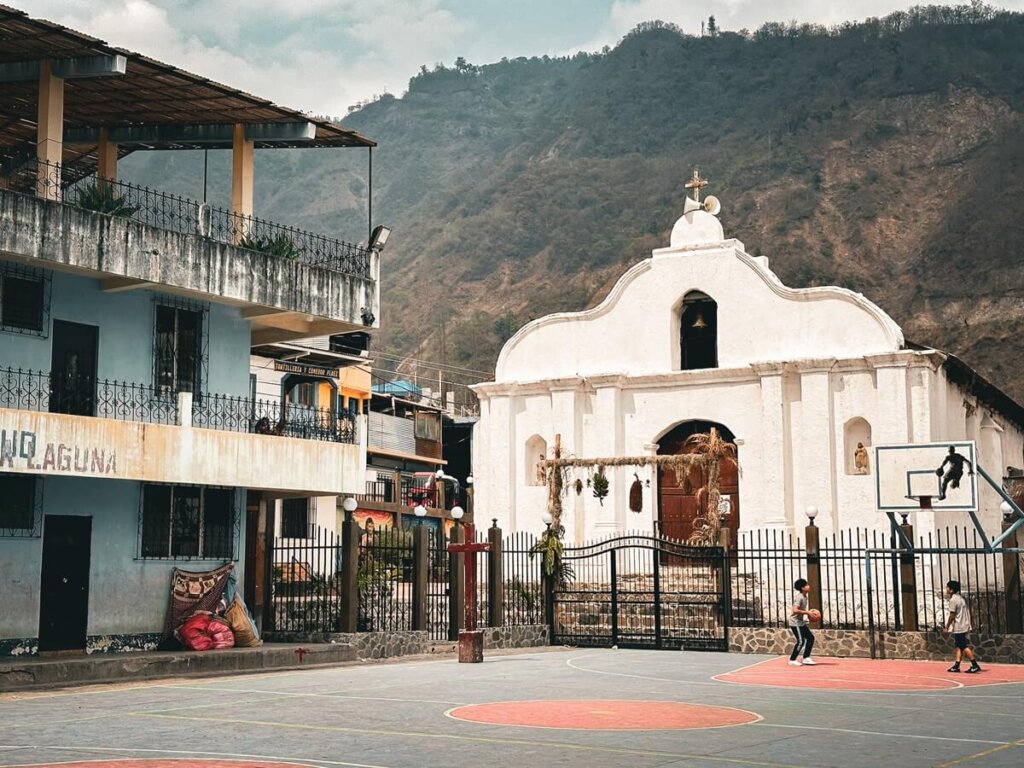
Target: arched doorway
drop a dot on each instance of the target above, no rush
(679, 506)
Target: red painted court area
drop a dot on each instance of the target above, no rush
(167, 763)
(604, 714)
(870, 675)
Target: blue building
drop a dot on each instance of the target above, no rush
(131, 440)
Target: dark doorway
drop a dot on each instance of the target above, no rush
(679, 505)
(73, 368)
(64, 586)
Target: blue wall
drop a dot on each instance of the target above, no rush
(126, 321)
(126, 595)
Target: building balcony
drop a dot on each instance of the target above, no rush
(130, 431)
(291, 283)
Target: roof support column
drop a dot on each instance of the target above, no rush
(106, 169)
(242, 151)
(49, 133)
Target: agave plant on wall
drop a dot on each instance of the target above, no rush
(101, 199)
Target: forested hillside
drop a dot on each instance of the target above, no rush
(885, 156)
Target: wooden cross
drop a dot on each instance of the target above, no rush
(696, 184)
(470, 548)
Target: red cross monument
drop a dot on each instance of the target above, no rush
(471, 640)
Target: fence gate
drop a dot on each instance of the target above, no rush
(642, 592)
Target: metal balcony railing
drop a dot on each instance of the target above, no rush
(41, 391)
(183, 215)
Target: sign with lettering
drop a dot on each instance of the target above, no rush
(305, 369)
(22, 449)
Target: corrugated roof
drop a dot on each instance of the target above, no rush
(149, 93)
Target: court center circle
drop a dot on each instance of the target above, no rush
(604, 714)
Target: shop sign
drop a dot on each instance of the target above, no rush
(22, 449)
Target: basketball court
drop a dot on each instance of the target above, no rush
(547, 707)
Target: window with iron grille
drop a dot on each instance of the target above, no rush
(295, 520)
(24, 300)
(179, 346)
(187, 522)
(20, 505)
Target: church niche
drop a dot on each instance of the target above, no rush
(698, 332)
(536, 452)
(857, 447)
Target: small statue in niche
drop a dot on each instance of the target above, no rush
(860, 460)
(542, 475)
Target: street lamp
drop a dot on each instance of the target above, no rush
(1007, 510)
(811, 512)
(349, 504)
(457, 513)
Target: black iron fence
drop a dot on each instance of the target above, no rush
(523, 573)
(42, 391)
(185, 216)
(308, 578)
(385, 581)
(54, 392)
(861, 584)
(306, 589)
(272, 417)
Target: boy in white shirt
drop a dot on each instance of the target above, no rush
(798, 616)
(960, 622)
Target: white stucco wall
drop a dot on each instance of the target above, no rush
(795, 365)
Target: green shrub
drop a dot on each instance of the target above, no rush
(279, 246)
(102, 199)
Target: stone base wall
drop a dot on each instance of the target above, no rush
(385, 645)
(851, 643)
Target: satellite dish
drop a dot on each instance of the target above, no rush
(711, 204)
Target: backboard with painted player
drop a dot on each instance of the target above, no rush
(942, 471)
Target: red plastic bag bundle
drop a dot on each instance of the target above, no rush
(202, 631)
(193, 633)
(220, 633)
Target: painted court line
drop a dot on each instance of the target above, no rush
(299, 694)
(515, 707)
(478, 740)
(194, 753)
(881, 733)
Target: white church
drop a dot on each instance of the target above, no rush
(701, 335)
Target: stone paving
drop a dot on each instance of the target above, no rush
(402, 714)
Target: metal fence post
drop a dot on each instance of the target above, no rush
(420, 574)
(549, 603)
(349, 619)
(908, 583)
(813, 568)
(495, 578)
(1011, 583)
(456, 586)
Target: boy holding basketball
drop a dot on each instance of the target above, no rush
(959, 622)
(798, 617)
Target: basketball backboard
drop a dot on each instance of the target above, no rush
(904, 473)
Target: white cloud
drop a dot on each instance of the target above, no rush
(323, 55)
(319, 56)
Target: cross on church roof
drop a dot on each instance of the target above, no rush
(696, 184)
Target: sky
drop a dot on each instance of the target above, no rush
(322, 56)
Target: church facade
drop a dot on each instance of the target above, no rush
(805, 381)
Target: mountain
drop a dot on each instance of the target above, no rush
(885, 156)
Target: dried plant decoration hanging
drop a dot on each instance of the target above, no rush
(636, 494)
(579, 486)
